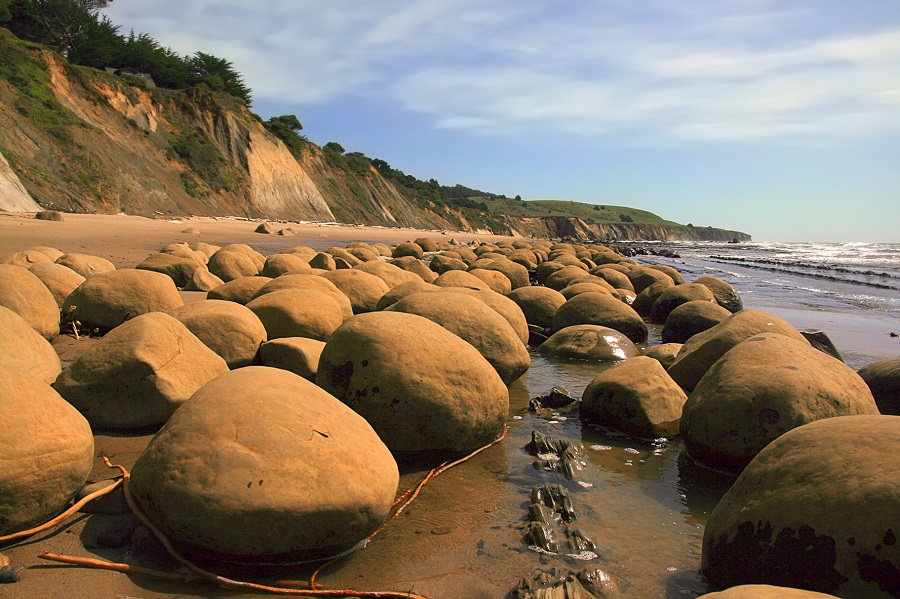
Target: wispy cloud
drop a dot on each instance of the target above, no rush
(662, 69)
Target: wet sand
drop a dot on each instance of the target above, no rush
(462, 538)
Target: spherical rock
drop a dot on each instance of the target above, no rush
(242, 248)
(816, 509)
(299, 355)
(476, 323)
(703, 349)
(578, 286)
(139, 373)
(417, 401)
(109, 299)
(691, 318)
(231, 330)
(495, 279)
(60, 280)
(414, 265)
(636, 397)
(230, 265)
(539, 304)
(673, 273)
(427, 244)
(764, 591)
(51, 252)
(601, 309)
(643, 301)
(179, 268)
(883, 379)
(208, 249)
(309, 281)
(500, 304)
(589, 342)
(24, 293)
(23, 350)
(389, 273)
(759, 390)
(86, 265)
(307, 253)
(397, 293)
(239, 290)
(460, 278)
(408, 248)
(262, 463)
(724, 293)
(26, 258)
(323, 261)
(516, 273)
(563, 277)
(47, 455)
(203, 280)
(441, 264)
(673, 297)
(642, 277)
(363, 289)
(281, 264)
(298, 312)
(664, 353)
(617, 279)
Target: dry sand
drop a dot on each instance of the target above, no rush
(126, 240)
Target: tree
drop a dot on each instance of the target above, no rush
(99, 45)
(218, 74)
(5, 14)
(333, 146)
(62, 21)
(287, 128)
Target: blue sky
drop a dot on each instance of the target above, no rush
(780, 119)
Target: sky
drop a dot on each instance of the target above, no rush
(777, 118)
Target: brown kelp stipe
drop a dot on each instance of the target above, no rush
(62, 517)
(409, 495)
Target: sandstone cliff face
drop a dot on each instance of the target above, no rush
(576, 228)
(13, 197)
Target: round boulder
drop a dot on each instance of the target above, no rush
(539, 304)
(389, 273)
(675, 296)
(562, 278)
(363, 289)
(643, 301)
(516, 273)
(460, 278)
(299, 355)
(601, 309)
(502, 305)
(239, 290)
(86, 265)
(60, 280)
(203, 280)
(309, 281)
(427, 244)
(691, 318)
(703, 349)
(475, 322)
(495, 279)
(22, 349)
(416, 266)
(26, 258)
(816, 509)
(642, 277)
(179, 268)
(298, 312)
(664, 354)
(107, 300)
(281, 264)
(138, 374)
(724, 293)
(408, 248)
(883, 379)
(262, 463)
(589, 342)
(417, 401)
(673, 273)
(636, 397)
(24, 293)
(230, 265)
(47, 455)
(764, 591)
(231, 330)
(759, 390)
(397, 293)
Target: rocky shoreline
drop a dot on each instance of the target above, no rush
(272, 408)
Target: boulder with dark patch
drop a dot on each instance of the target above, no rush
(816, 509)
(759, 390)
(691, 318)
(883, 379)
(725, 294)
(446, 399)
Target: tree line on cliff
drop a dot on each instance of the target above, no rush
(78, 31)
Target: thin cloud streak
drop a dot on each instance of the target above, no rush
(662, 70)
